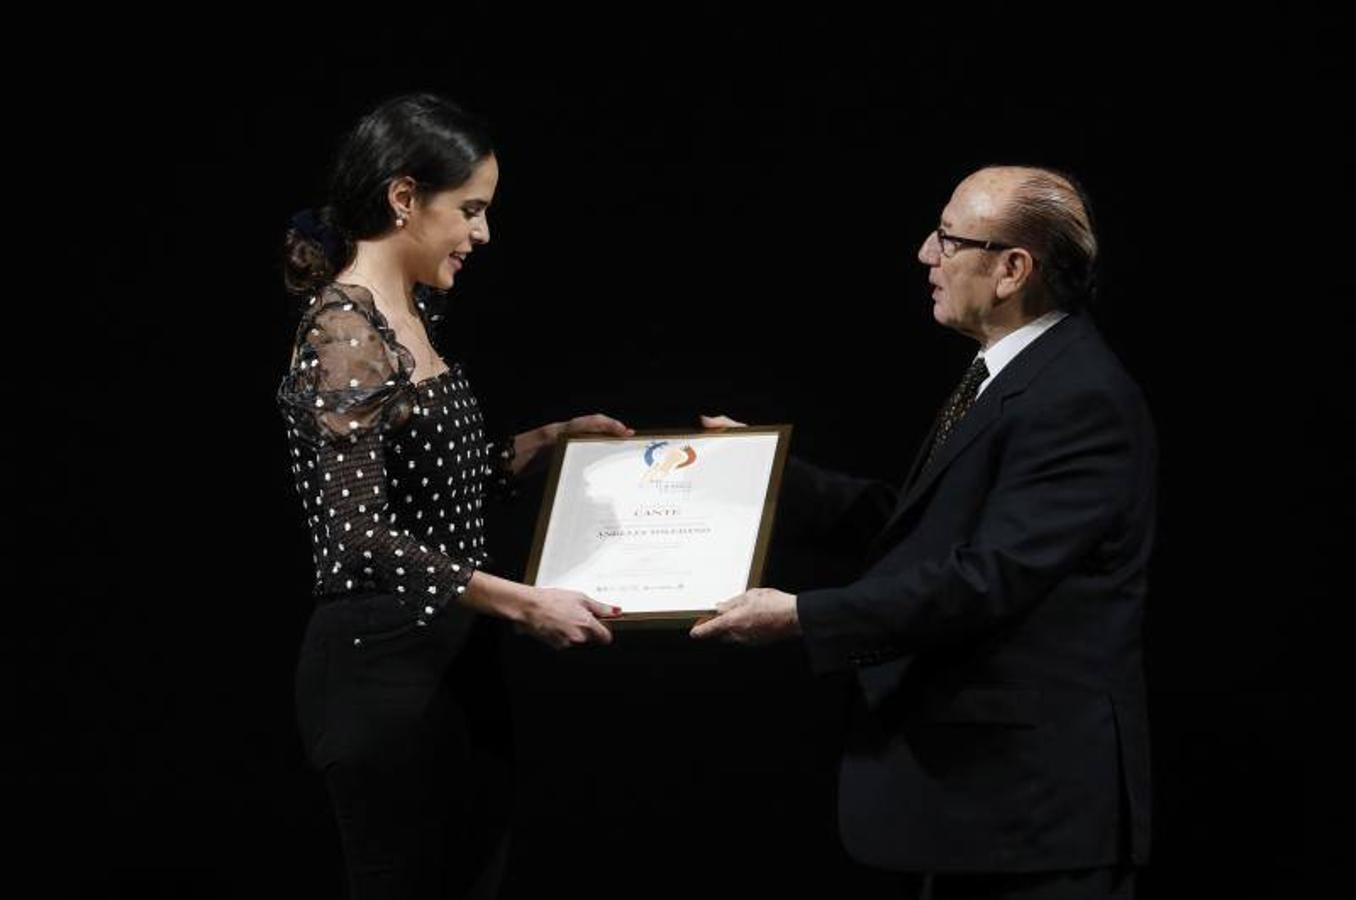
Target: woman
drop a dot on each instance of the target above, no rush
(391, 460)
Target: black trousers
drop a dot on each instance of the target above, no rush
(422, 811)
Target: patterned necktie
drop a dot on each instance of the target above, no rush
(961, 399)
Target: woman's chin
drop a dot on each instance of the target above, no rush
(445, 277)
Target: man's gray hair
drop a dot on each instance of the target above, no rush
(1049, 214)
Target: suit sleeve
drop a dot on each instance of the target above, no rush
(830, 507)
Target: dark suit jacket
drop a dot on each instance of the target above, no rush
(996, 635)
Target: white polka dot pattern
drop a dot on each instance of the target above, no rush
(357, 419)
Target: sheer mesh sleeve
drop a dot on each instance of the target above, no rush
(348, 375)
(503, 482)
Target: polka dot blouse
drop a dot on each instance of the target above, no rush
(392, 473)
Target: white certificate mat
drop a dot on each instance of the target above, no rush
(661, 525)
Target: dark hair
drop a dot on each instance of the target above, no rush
(419, 136)
(1050, 213)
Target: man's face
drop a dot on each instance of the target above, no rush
(964, 283)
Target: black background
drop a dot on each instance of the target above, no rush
(696, 214)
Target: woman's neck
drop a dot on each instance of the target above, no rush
(376, 267)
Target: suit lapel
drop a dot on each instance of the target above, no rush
(920, 456)
(1014, 379)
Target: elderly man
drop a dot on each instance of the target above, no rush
(1000, 745)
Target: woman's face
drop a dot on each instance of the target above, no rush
(444, 228)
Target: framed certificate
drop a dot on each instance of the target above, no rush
(664, 525)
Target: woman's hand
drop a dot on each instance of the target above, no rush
(563, 618)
